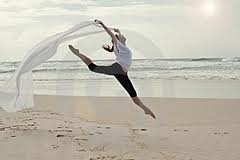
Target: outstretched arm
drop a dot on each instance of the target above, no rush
(108, 31)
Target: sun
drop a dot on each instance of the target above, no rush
(209, 9)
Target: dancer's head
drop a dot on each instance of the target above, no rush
(121, 38)
(108, 48)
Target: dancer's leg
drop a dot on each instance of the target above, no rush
(127, 84)
(138, 102)
(113, 69)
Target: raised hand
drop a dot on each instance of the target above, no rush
(98, 21)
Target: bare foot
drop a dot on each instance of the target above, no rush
(84, 58)
(149, 112)
(74, 50)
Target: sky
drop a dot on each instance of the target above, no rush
(177, 28)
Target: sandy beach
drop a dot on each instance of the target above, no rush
(113, 128)
(81, 61)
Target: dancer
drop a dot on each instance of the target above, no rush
(120, 68)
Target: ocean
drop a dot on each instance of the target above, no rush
(168, 69)
(72, 77)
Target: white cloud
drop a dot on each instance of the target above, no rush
(174, 25)
(141, 10)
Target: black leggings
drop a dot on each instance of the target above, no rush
(116, 70)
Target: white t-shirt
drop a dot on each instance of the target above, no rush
(123, 55)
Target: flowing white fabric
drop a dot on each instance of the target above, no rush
(17, 93)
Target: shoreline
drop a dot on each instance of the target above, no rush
(145, 88)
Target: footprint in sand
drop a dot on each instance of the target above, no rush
(27, 120)
(68, 122)
(55, 146)
(62, 130)
(143, 129)
(53, 113)
(52, 131)
(81, 139)
(218, 133)
(81, 150)
(60, 135)
(84, 139)
(106, 157)
(59, 127)
(185, 130)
